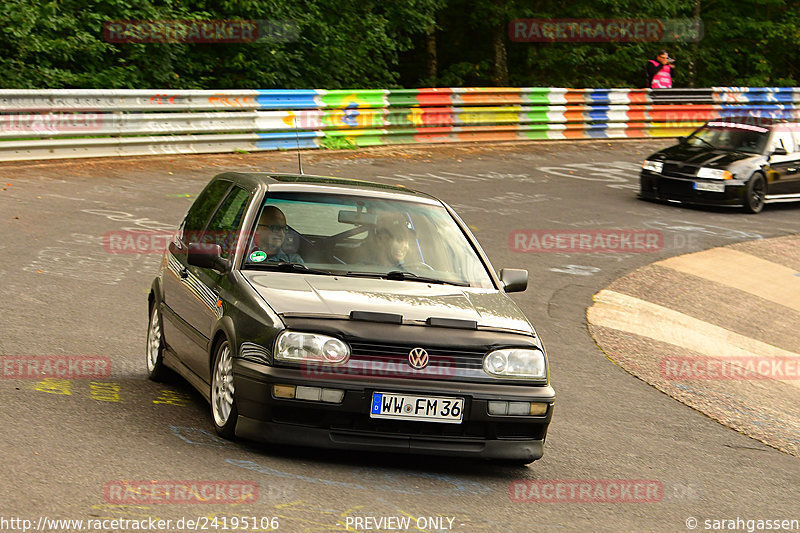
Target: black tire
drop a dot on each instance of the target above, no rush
(223, 395)
(755, 194)
(154, 354)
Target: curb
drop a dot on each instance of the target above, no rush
(715, 330)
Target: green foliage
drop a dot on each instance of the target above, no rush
(379, 44)
(337, 143)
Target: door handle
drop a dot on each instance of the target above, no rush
(184, 273)
(791, 170)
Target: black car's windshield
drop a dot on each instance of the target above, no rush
(731, 136)
(361, 236)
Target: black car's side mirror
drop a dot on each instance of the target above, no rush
(780, 150)
(208, 256)
(514, 279)
(682, 140)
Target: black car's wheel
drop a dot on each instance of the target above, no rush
(755, 193)
(223, 394)
(155, 346)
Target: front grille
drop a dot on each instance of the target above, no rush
(684, 171)
(668, 187)
(398, 354)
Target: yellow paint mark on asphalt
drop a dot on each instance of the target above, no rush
(352, 509)
(171, 397)
(746, 272)
(633, 315)
(104, 392)
(54, 386)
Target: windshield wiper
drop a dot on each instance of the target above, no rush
(400, 275)
(287, 266)
(706, 142)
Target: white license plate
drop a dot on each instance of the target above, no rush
(425, 408)
(711, 187)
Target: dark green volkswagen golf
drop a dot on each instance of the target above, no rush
(347, 314)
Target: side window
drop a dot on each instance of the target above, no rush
(201, 210)
(796, 135)
(227, 220)
(783, 139)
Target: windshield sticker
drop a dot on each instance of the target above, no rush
(258, 256)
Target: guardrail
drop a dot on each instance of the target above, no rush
(54, 124)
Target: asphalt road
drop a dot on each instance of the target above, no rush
(65, 442)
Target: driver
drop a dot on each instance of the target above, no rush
(392, 233)
(270, 234)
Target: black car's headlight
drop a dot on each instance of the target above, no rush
(294, 346)
(520, 363)
(714, 173)
(653, 166)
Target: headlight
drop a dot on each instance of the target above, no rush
(653, 166)
(516, 363)
(298, 347)
(714, 173)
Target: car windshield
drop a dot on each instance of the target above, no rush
(731, 136)
(361, 236)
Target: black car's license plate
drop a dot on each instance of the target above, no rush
(711, 187)
(424, 408)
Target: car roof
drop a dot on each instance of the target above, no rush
(330, 184)
(764, 122)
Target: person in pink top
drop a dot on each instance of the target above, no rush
(659, 71)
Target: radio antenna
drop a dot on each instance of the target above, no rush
(297, 135)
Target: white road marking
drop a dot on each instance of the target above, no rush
(633, 315)
(746, 272)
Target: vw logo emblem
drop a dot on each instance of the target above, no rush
(418, 358)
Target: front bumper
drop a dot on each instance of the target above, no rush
(347, 425)
(654, 186)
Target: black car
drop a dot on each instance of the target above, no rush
(347, 314)
(736, 161)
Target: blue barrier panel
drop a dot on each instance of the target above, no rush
(286, 141)
(599, 96)
(288, 99)
(598, 113)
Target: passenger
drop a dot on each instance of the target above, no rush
(270, 236)
(392, 234)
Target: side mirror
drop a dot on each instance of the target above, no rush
(208, 256)
(681, 140)
(514, 279)
(780, 150)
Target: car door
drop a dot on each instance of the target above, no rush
(179, 296)
(785, 168)
(209, 287)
